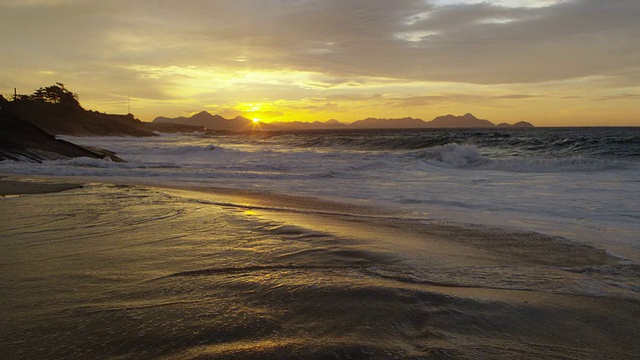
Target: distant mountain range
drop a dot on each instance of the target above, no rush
(239, 123)
(212, 122)
(28, 124)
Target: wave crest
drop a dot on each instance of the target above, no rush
(470, 157)
(454, 155)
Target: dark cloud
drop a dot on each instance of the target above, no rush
(421, 101)
(476, 43)
(328, 106)
(621, 97)
(479, 43)
(350, 49)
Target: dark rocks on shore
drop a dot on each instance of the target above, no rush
(72, 119)
(28, 122)
(23, 141)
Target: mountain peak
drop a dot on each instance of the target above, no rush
(203, 115)
(399, 123)
(465, 121)
(240, 123)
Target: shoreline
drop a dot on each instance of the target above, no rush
(223, 274)
(17, 184)
(456, 239)
(33, 185)
(311, 212)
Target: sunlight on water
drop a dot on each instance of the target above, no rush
(121, 271)
(579, 183)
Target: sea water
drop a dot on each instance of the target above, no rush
(456, 244)
(134, 272)
(578, 183)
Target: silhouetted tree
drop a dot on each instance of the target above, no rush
(55, 94)
(22, 97)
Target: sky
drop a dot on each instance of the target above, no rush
(549, 62)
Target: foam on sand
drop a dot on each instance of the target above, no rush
(127, 271)
(33, 186)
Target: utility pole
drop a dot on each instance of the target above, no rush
(15, 93)
(129, 103)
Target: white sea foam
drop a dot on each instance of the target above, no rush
(585, 199)
(453, 155)
(470, 157)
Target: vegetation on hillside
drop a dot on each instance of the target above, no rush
(54, 94)
(56, 110)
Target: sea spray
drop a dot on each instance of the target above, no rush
(582, 183)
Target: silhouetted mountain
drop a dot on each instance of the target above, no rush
(301, 125)
(58, 110)
(217, 122)
(447, 121)
(519, 124)
(374, 123)
(72, 119)
(210, 122)
(331, 122)
(465, 121)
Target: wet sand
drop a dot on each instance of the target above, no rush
(9, 187)
(130, 271)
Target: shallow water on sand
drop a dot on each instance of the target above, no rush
(579, 183)
(119, 272)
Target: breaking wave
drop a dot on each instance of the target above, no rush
(470, 157)
(618, 143)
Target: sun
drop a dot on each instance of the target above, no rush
(255, 120)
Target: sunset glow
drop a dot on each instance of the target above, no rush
(552, 63)
(320, 179)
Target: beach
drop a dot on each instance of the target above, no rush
(339, 180)
(97, 268)
(23, 187)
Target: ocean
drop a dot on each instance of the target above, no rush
(579, 183)
(417, 244)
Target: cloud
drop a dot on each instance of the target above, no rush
(621, 97)
(426, 100)
(504, 3)
(205, 51)
(34, 3)
(479, 42)
(474, 42)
